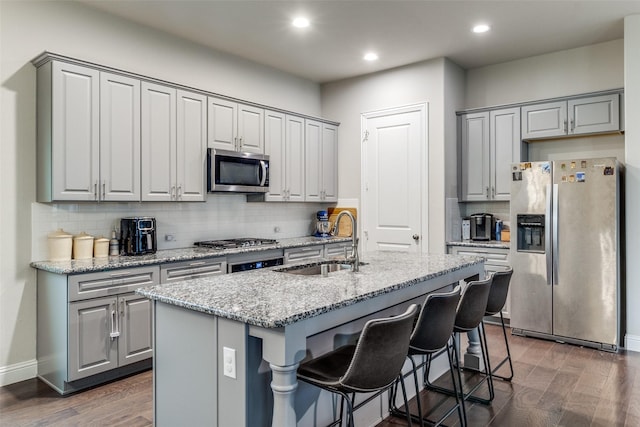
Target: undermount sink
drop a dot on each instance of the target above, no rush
(317, 269)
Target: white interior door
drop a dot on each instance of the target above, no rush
(394, 184)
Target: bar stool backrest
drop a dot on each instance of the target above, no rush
(473, 305)
(435, 322)
(498, 293)
(380, 352)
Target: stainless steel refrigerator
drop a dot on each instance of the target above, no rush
(565, 251)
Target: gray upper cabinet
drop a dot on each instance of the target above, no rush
(119, 138)
(173, 144)
(489, 143)
(236, 127)
(285, 145)
(321, 161)
(575, 116)
(88, 134)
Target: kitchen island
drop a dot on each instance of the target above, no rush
(215, 336)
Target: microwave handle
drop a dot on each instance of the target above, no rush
(263, 165)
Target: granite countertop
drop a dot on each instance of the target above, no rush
(269, 298)
(171, 255)
(495, 244)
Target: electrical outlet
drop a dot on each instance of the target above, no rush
(229, 361)
(169, 237)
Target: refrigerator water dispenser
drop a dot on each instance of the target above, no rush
(530, 231)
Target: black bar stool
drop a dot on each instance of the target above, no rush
(495, 303)
(432, 335)
(372, 365)
(469, 316)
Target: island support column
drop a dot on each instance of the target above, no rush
(283, 348)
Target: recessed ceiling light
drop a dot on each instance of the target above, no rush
(300, 22)
(482, 28)
(371, 56)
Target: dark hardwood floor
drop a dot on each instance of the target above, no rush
(554, 385)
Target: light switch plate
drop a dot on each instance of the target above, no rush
(229, 362)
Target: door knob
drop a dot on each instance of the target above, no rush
(416, 237)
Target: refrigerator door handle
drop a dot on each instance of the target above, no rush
(547, 236)
(556, 252)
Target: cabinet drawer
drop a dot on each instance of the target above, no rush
(495, 259)
(94, 285)
(307, 252)
(192, 269)
(337, 249)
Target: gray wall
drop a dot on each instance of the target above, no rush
(429, 81)
(632, 177)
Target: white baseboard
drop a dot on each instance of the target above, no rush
(632, 343)
(18, 372)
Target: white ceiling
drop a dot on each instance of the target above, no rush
(400, 31)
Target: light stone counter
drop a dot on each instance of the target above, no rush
(270, 316)
(171, 255)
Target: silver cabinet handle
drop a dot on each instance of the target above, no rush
(115, 333)
(493, 192)
(565, 127)
(104, 184)
(172, 192)
(179, 196)
(573, 126)
(95, 190)
(487, 192)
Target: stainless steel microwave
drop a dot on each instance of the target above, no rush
(231, 171)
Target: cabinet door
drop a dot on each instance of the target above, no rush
(222, 124)
(93, 337)
(474, 156)
(75, 132)
(158, 142)
(504, 130)
(274, 147)
(544, 120)
(191, 146)
(119, 138)
(295, 160)
(329, 162)
(594, 114)
(136, 329)
(313, 160)
(250, 129)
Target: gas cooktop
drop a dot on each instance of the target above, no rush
(235, 243)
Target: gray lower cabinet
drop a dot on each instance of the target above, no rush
(91, 324)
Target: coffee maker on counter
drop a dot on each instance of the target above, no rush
(138, 236)
(482, 225)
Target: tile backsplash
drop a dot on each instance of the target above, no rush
(221, 216)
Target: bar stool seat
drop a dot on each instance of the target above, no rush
(469, 316)
(372, 365)
(495, 304)
(432, 335)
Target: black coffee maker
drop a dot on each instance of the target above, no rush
(138, 236)
(482, 225)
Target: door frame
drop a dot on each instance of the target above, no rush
(423, 109)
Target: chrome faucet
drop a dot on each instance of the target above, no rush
(353, 259)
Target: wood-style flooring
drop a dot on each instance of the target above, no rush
(554, 385)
